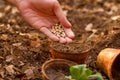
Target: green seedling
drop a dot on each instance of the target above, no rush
(81, 72)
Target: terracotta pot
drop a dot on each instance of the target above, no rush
(108, 61)
(79, 56)
(56, 69)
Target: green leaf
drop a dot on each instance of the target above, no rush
(84, 75)
(97, 75)
(80, 72)
(68, 78)
(76, 71)
(88, 72)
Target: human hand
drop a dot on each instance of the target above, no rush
(43, 14)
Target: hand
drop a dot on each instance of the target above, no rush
(42, 14)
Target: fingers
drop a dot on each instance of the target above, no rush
(65, 40)
(47, 32)
(69, 32)
(68, 40)
(60, 15)
(62, 40)
(62, 18)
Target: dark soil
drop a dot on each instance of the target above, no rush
(72, 48)
(23, 49)
(58, 71)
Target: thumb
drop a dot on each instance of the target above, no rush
(60, 15)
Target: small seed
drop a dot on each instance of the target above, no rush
(58, 30)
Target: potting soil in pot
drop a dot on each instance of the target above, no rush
(73, 48)
(58, 72)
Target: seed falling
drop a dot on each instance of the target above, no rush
(58, 30)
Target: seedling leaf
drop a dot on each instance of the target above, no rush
(81, 72)
(97, 75)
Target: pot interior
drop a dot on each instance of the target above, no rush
(116, 68)
(72, 48)
(57, 71)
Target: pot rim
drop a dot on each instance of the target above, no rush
(82, 51)
(64, 61)
(77, 53)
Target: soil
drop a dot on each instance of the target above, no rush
(72, 48)
(23, 49)
(58, 71)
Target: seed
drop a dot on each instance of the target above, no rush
(58, 30)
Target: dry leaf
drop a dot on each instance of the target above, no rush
(0, 65)
(1, 15)
(89, 27)
(29, 73)
(10, 69)
(35, 43)
(4, 37)
(17, 44)
(7, 8)
(30, 35)
(115, 17)
(10, 29)
(114, 8)
(21, 63)
(9, 58)
(27, 35)
(1, 79)
(34, 35)
(14, 10)
(1, 59)
(2, 73)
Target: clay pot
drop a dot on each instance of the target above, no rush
(56, 69)
(108, 61)
(79, 56)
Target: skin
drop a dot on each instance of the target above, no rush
(42, 14)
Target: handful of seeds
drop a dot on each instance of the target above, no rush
(58, 30)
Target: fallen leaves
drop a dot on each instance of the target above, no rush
(29, 35)
(1, 59)
(35, 43)
(17, 44)
(9, 58)
(2, 73)
(2, 15)
(115, 17)
(10, 69)
(89, 27)
(29, 73)
(4, 37)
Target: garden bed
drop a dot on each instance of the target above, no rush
(23, 49)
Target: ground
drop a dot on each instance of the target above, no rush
(24, 49)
